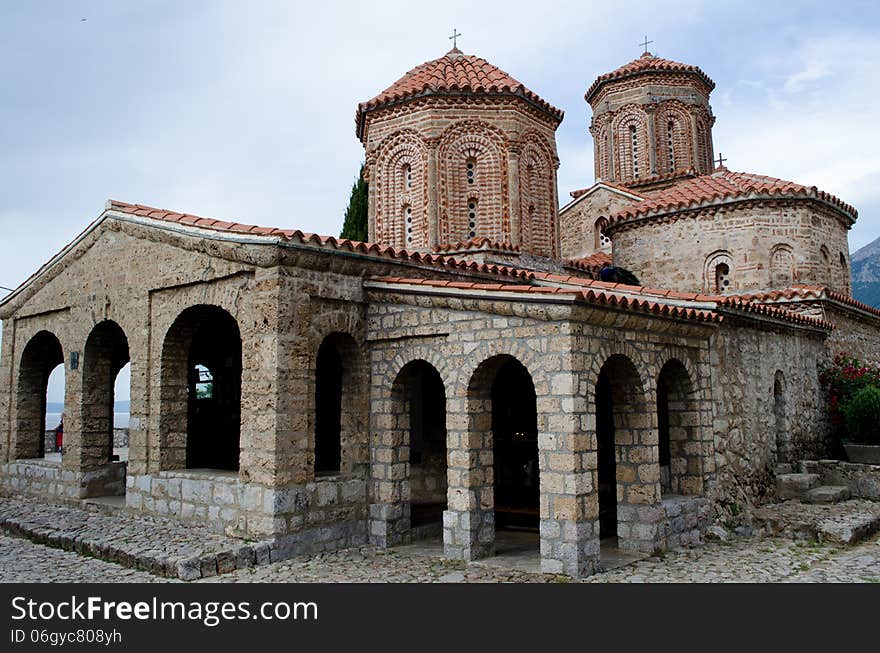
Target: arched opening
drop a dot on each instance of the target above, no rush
(200, 420)
(335, 407)
(783, 441)
(41, 356)
(627, 461)
(420, 408)
(677, 426)
(515, 447)
(105, 354)
(781, 266)
(722, 277)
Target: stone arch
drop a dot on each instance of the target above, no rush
(200, 391)
(41, 355)
(503, 417)
(600, 130)
(485, 147)
(782, 433)
(630, 129)
(537, 210)
(677, 145)
(396, 191)
(105, 353)
(418, 400)
(628, 472)
(678, 427)
(719, 273)
(782, 272)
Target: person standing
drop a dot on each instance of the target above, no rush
(59, 435)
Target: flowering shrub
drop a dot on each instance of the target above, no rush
(844, 378)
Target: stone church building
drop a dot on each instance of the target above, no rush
(467, 371)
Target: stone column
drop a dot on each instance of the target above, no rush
(612, 169)
(6, 389)
(389, 465)
(516, 227)
(432, 200)
(469, 521)
(567, 462)
(695, 145)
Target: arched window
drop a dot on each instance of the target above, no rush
(670, 144)
(408, 223)
(843, 261)
(719, 272)
(602, 240)
(826, 257)
(634, 149)
(722, 277)
(472, 218)
(407, 176)
(471, 170)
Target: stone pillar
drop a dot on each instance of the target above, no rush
(469, 521)
(695, 145)
(516, 215)
(432, 199)
(389, 465)
(6, 389)
(612, 169)
(567, 462)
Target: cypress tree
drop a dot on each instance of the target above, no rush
(355, 225)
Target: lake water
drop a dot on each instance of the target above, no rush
(120, 420)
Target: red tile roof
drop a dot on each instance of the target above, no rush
(800, 292)
(724, 186)
(453, 73)
(592, 263)
(647, 63)
(593, 296)
(326, 242)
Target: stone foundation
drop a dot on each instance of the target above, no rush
(863, 481)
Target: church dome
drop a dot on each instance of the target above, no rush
(455, 73)
(646, 64)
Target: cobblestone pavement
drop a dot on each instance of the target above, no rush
(758, 560)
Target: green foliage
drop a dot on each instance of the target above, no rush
(355, 225)
(843, 379)
(862, 415)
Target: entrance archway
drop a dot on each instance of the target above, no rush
(105, 354)
(420, 408)
(42, 354)
(678, 431)
(201, 391)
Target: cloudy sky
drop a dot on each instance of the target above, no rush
(245, 110)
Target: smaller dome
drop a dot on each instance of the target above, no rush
(455, 73)
(645, 64)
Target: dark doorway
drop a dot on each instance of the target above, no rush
(515, 433)
(606, 458)
(328, 409)
(214, 392)
(425, 398)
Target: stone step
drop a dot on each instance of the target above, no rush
(783, 468)
(104, 531)
(793, 486)
(827, 494)
(847, 522)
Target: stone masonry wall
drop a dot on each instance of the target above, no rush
(674, 253)
(577, 222)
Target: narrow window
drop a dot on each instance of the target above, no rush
(670, 144)
(408, 222)
(634, 145)
(722, 277)
(842, 260)
(407, 176)
(472, 219)
(471, 171)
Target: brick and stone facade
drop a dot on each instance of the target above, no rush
(321, 393)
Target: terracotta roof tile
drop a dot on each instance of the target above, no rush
(453, 73)
(592, 263)
(647, 63)
(805, 292)
(326, 242)
(723, 186)
(477, 243)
